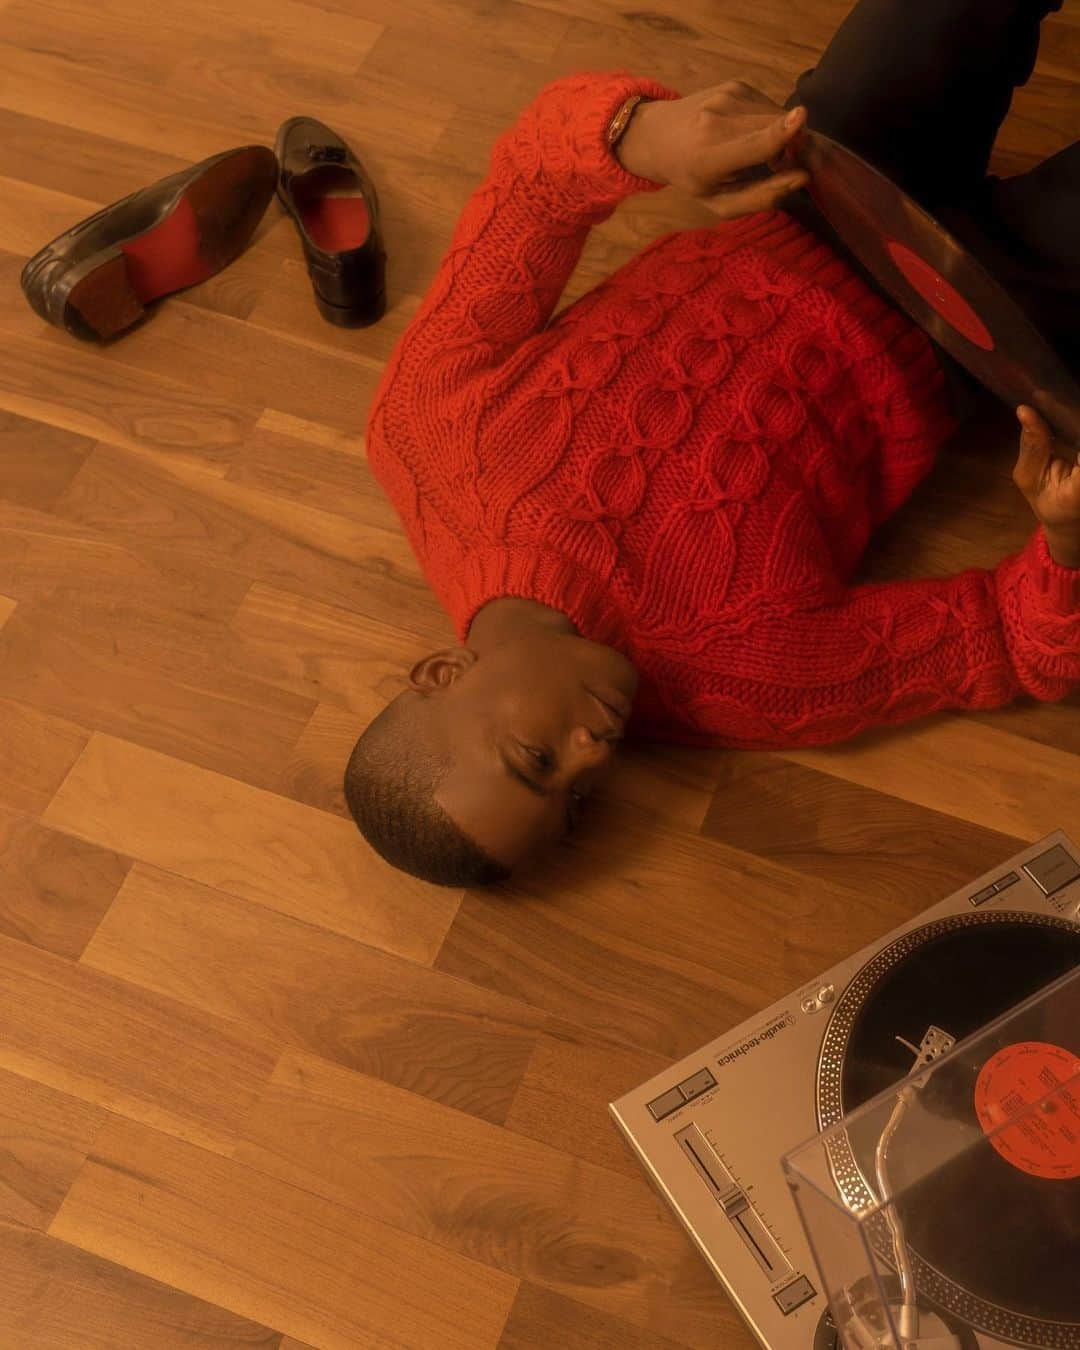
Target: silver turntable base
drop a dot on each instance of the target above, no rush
(711, 1130)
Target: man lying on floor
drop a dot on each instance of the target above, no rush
(644, 515)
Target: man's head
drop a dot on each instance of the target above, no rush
(487, 756)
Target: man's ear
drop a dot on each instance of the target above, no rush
(441, 669)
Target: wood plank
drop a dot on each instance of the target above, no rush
(825, 827)
(485, 1194)
(955, 765)
(135, 1052)
(129, 674)
(37, 461)
(327, 651)
(54, 890)
(59, 1298)
(44, 1139)
(36, 751)
(563, 1097)
(50, 377)
(158, 41)
(313, 463)
(250, 843)
(315, 771)
(273, 1252)
(41, 553)
(430, 1033)
(663, 943)
(540, 1317)
(143, 502)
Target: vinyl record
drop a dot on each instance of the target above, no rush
(930, 274)
(994, 1232)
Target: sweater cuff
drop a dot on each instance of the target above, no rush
(1060, 585)
(560, 143)
(595, 114)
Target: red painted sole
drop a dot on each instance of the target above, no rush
(167, 257)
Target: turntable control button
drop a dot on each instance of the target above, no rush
(1053, 869)
(794, 1295)
(826, 993)
(981, 897)
(810, 1004)
(667, 1102)
(697, 1084)
(1010, 880)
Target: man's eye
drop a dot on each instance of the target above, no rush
(540, 757)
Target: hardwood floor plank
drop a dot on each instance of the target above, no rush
(141, 502)
(315, 770)
(563, 1098)
(664, 945)
(37, 750)
(249, 843)
(484, 1194)
(955, 765)
(332, 477)
(274, 1252)
(540, 1317)
(42, 553)
(57, 1297)
(43, 153)
(327, 651)
(44, 1139)
(286, 304)
(135, 682)
(54, 889)
(37, 461)
(138, 1053)
(825, 827)
(46, 377)
(435, 1035)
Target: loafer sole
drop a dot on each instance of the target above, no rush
(204, 229)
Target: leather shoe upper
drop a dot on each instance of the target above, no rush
(352, 279)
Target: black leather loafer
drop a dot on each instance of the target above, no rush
(96, 279)
(334, 206)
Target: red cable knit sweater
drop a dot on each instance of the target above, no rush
(690, 459)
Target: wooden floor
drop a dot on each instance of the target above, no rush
(255, 1090)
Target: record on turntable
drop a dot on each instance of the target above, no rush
(931, 275)
(985, 1186)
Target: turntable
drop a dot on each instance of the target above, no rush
(890, 1157)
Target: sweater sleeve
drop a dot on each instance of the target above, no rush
(552, 177)
(886, 653)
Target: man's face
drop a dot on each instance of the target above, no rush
(530, 727)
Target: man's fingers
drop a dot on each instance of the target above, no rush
(1036, 449)
(758, 145)
(760, 196)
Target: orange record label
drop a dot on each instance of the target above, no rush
(1044, 1142)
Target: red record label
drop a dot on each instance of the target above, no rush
(943, 298)
(1046, 1141)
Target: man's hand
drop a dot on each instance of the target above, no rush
(1048, 475)
(704, 144)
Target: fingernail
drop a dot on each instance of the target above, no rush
(792, 118)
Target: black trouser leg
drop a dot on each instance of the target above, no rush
(919, 88)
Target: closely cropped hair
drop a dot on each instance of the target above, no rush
(390, 783)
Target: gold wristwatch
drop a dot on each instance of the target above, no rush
(621, 120)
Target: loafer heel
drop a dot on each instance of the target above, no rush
(352, 316)
(102, 298)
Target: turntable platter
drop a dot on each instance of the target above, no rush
(994, 1235)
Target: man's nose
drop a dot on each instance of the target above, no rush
(588, 751)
